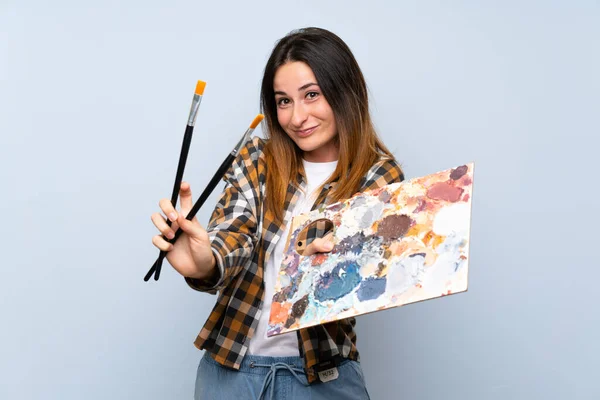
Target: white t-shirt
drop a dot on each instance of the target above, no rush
(286, 344)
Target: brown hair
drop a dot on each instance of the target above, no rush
(344, 87)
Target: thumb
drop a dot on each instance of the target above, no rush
(320, 245)
(323, 245)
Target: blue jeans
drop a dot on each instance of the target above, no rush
(275, 378)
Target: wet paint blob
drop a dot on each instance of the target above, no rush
(289, 291)
(279, 311)
(335, 207)
(405, 273)
(318, 259)
(339, 282)
(358, 201)
(299, 307)
(418, 255)
(282, 295)
(351, 244)
(292, 263)
(444, 191)
(371, 289)
(289, 322)
(384, 196)
(394, 226)
(369, 215)
(274, 331)
(453, 219)
(421, 206)
(458, 172)
(380, 268)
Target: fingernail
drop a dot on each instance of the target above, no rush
(329, 246)
(170, 235)
(173, 217)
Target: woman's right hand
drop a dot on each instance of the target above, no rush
(191, 255)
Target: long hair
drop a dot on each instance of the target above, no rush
(344, 87)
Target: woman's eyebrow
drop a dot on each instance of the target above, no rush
(301, 88)
(306, 86)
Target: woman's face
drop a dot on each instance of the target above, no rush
(303, 112)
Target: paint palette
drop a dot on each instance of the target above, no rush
(399, 244)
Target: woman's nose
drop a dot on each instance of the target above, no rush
(299, 115)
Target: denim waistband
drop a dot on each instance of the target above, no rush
(269, 367)
(260, 365)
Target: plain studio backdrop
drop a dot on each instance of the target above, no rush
(94, 97)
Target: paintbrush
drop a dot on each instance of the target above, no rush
(155, 269)
(185, 147)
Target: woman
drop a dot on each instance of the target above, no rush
(320, 148)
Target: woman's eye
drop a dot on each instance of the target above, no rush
(283, 101)
(312, 95)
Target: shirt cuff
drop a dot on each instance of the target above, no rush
(209, 285)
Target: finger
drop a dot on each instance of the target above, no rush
(319, 245)
(185, 196)
(161, 243)
(192, 228)
(161, 225)
(168, 209)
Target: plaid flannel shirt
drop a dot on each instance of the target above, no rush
(243, 237)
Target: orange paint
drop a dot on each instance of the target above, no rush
(432, 240)
(397, 248)
(280, 312)
(416, 230)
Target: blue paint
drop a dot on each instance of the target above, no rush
(331, 286)
(371, 288)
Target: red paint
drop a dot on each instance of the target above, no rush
(444, 191)
(422, 206)
(318, 259)
(465, 181)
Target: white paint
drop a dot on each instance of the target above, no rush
(455, 218)
(403, 274)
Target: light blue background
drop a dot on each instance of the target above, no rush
(94, 98)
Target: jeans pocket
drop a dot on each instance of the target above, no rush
(358, 369)
(360, 377)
